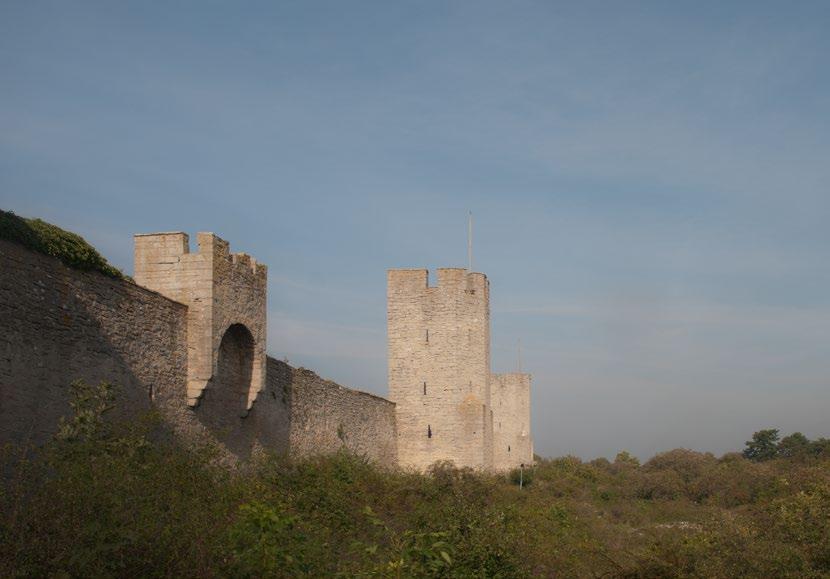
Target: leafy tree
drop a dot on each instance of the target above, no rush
(795, 444)
(623, 457)
(763, 446)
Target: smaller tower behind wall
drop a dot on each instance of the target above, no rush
(512, 443)
(220, 289)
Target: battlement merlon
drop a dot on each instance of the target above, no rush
(168, 248)
(214, 246)
(410, 280)
(159, 248)
(243, 262)
(417, 280)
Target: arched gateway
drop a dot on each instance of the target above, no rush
(226, 298)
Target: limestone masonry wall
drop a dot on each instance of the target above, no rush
(61, 324)
(325, 417)
(512, 442)
(439, 367)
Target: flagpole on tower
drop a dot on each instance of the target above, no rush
(519, 356)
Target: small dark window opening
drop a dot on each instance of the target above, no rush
(429, 431)
(425, 388)
(427, 336)
(508, 448)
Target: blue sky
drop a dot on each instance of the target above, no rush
(649, 183)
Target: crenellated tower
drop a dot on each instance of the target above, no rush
(439, 366)
(226, 298)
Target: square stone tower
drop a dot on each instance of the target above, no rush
(512, 443)
(226, 298)
(439, 367)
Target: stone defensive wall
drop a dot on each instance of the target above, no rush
(61, 324)
(324, 416)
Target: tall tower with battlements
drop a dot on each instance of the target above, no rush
(226, 298)
(439, 367)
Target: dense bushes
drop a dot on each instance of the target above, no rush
(49, 239)
(108, 499)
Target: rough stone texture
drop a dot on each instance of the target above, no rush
(439, 367)
(325, 417)
(61, 324)
(220, 289)
(512, 441)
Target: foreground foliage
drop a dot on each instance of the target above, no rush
(103, 500)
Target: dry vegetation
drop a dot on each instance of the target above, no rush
(102, 500)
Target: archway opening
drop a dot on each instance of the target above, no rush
(225, 398)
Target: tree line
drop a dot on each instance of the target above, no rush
(767, 444)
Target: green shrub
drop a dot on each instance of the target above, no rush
(803, 519)
(267, 541)
(733, 481)
(49, 239)
(665, 484)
